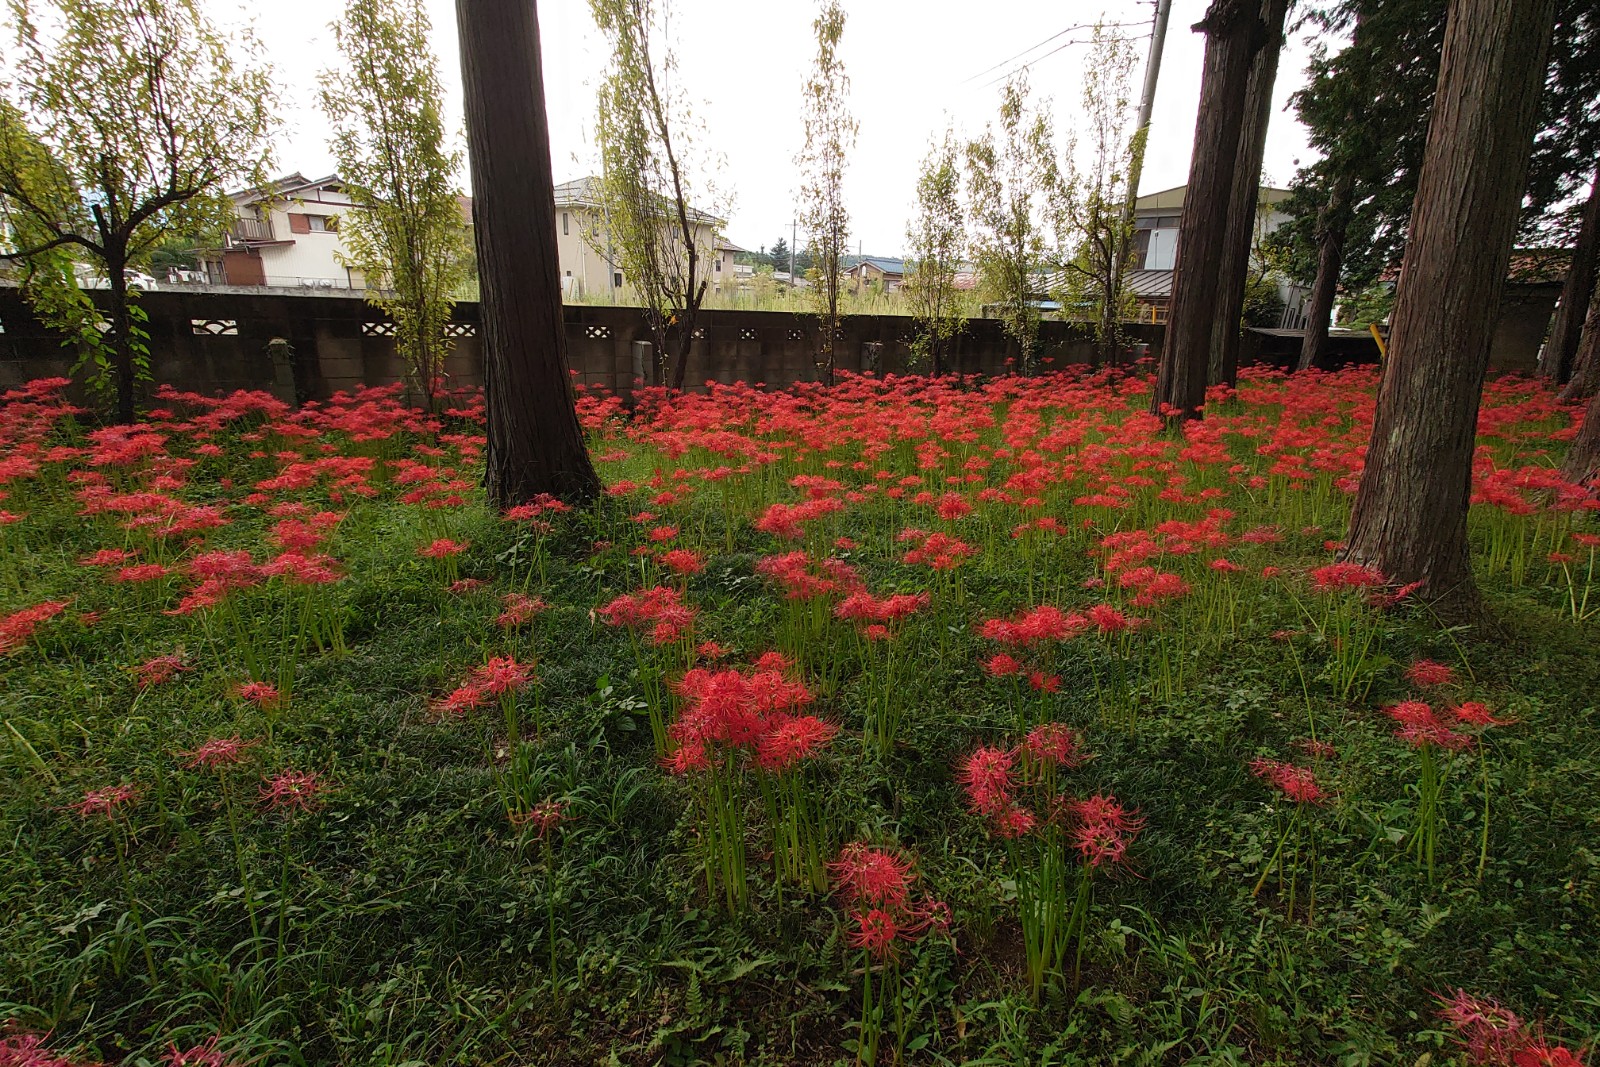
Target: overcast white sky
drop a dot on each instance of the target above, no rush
(914, 66)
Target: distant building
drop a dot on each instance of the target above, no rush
(286, 234)
(887, 274)
(591, 265)
(1155, 244)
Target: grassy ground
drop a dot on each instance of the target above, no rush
(405, 906)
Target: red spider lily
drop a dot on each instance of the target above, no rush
(1002, 666)
(463, 586)
(517, 609)
(1425, 672)
(1420, 726)
(218, 753)
(160, 670)
(738, 710)
(27, 1050)
(19, 626)
(1317, 749)
(863, 608)
(1108, 619)
(205, 1054)
(1034, 626)
(542, 818)
(985, 776)
(876, 931)
(1489, 1032)
(872, 877)
(1341, 576)
(784, 520)
(461, 700)
(660, 608)
(108, 557)
(1299, 784)
(107, 801)
(938, 551)
(1056, 744)
(1045, 683)
(262, 694)
(792, 740)
(1472, 713)
(294, 791)
(683, 561)
(442, 548)
(502, 674)
(543, 504)
(1103, 830)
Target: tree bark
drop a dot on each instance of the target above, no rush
(1233, 32)
(1583, 457)
(1410, 514)
(1245, 200)
(535, 444)
(1331, 226)
(1585, 381)
(1555, 359)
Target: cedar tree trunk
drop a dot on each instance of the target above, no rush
(1410, 514)
(1583, 457)
(1585, 381)
(1235, 270)
(1331, 224)
(1233, 35)
(535, 442)
(1555, 359)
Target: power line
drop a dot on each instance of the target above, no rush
(1060, 48)
(1047, 40)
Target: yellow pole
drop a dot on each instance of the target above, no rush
(1383, 349)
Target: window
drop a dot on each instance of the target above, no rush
(323, 223)
(719, 264)
(616, 279)
(564, 224)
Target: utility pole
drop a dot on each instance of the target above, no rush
(794, 235)
(1147, 103)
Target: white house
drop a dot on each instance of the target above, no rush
(286, 235)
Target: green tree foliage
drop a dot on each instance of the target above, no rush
(1366, 108)
(778, 256)
(410, 242)
(830, 136)
(1010, 176)
(1093, 229)
(648, 177)
(936, 240)
(126, 121)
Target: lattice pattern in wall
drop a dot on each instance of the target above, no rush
(597, 333)
(796, 335)
(461, 329)
(746, 334)
(377, 329)
(215, 327)
(700, 333)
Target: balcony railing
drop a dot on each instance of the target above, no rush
(251, 230)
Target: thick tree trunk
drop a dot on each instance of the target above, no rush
(1585, 381)
(1583, 457)
(1245, 200)
(1331, 225)
(1410, 514)
(1233, 34)
(1555, 359)
(535, 443)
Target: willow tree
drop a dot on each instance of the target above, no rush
(128, 120)
(409, 239)
(1009, 182)
(936, 240)
(830, 136)
(647, 177)
(1093, 228)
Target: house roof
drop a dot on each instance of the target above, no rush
(725, 245)
(585, 192)
(1172, 199)
(884, 264)
(285, 186)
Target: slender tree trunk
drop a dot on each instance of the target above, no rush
(121, 327)
(1331, 225)
(535, 443)
(1410, 514)
(680, 369)
(1233, 34)
(1245, 200)
(1585, 381)
(1555, 359)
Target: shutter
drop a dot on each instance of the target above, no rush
(299, 223)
